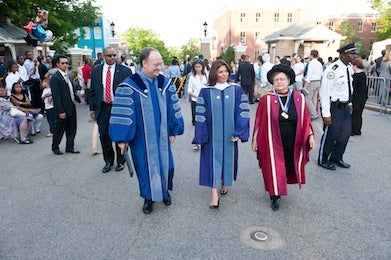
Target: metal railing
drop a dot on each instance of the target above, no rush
(379, 93)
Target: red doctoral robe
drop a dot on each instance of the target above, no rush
(270, 152)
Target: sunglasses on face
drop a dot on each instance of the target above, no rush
(111, 55)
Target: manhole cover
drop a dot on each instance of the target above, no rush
(262, 238)
(259, 236)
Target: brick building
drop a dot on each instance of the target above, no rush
(248, 27)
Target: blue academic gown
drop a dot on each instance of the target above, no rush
(220, 114)
(145, 113)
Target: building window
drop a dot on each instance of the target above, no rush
(360, 26)
(289, 18)
(242, 37)
(87, 33)
(257, 17)
(331, 26)
(318, 22)
(77, 32)
(242, 17)
(276, 17)
(97, 33)
(257, 37)
(374, 27)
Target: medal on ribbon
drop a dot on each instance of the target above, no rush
(285, 107)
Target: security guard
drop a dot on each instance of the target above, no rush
(335, 98)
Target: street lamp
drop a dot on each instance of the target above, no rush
(205, 28)
(112, 27)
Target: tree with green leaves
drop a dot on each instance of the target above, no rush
(138, 38)
(350, 32)
(191, 48)
(229, 54)
(384, 21)
(65, 16)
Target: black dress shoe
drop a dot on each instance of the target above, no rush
(72, 151)
(275, 204)
(147, 208)
(107, 168)
(119, 167)
(341, 163)
(215, 206)
(327, 166)
(57, 152)
(167, 200)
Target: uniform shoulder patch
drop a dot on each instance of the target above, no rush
(334, 67)
(331, 75)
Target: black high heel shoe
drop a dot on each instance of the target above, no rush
(223, 192)
(215, 206)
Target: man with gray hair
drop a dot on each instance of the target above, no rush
(265, 86)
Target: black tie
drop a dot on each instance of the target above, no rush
(349, 85)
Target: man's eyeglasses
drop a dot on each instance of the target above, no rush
(64, 63)
(111, 55)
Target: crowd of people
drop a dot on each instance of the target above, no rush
(140, 110)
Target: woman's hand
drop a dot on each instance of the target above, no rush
(311, 141)
(255, 146)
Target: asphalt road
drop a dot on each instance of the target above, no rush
(64, 207)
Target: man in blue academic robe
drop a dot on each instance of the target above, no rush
(146, 115)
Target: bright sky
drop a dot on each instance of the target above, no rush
(177, 21)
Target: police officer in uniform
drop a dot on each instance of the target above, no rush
(335, 98)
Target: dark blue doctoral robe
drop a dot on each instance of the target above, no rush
(220, 115)
(145, 113)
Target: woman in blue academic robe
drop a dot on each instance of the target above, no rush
(222, 118)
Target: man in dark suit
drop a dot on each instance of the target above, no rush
(104, 81)
(246, 76)
(64, 99)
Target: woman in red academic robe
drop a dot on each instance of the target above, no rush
(283, 135)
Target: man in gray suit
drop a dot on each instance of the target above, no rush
(104, 81)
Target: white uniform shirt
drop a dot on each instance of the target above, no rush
(335, 85)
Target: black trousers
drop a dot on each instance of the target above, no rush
(249, 90)
(105, 140)
(69, 126)
(358, 108)
(193, 111)
(335, 136)
(36, 92)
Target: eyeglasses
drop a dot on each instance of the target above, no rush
(111, 55)
(279, 79)
(64, 63)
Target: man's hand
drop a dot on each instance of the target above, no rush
(172, 139)
(92, 114)
(327, 120)
(62, 115)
